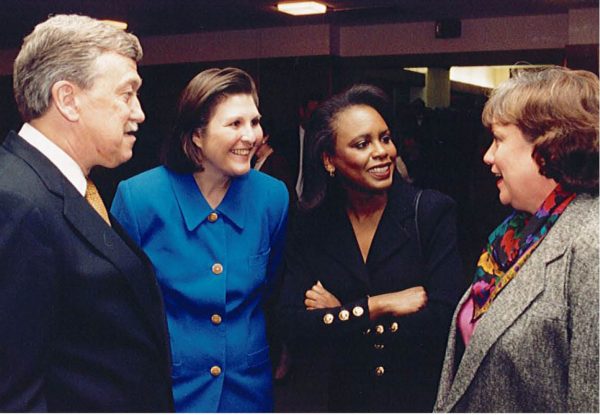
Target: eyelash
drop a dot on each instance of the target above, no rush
(386, 139)
(237, 123)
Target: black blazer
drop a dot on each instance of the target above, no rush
(392, 364)
(82, 322)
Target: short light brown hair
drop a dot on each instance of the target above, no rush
(64, 47)
(196, 107)
(557, 109)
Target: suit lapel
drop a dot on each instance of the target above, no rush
(446, 400)
(106, 241)
(389, 237)
(340, 245)
(511, 303)
(141, 278)
(391, 234)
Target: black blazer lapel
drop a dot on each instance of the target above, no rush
(340, 244)
(392, 233)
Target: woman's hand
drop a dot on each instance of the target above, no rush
(319, 297)
(399, 303)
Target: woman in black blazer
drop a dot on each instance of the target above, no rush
(372, 265)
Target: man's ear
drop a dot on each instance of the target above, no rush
(64, 98)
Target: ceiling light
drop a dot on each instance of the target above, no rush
(302, 8)
(117, 24)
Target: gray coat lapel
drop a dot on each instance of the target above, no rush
(511, 303)
(507, 307)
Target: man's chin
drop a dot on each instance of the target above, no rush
(124, 158)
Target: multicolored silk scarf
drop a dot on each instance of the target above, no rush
(510, 245)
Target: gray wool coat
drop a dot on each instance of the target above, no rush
(536, 349)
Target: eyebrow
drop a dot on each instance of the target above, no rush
(368, 135)
(236, 116)
(134, 81)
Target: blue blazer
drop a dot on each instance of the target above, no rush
(213, 267)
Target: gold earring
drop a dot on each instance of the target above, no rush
(331, 172)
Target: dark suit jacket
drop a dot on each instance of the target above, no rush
(408, 351)
(82, 321)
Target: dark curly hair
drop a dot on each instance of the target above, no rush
(557, 109)
(321, 135)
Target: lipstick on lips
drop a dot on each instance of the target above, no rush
(241, 151)
(382, 171)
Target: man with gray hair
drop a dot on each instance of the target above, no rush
(82, 322)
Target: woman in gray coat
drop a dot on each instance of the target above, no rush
(524, 337)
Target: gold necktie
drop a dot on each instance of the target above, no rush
(93, 198)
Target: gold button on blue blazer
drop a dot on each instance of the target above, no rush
(211, 262)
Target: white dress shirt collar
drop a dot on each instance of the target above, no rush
(67, 166)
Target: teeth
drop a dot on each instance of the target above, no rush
(379, 169)
(241, 152)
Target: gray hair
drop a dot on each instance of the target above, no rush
(64, 47)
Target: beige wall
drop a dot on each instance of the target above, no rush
(510, 33)
(579, 26)
(583, 27)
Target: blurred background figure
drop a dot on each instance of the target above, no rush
(292, 141)
(268, 158)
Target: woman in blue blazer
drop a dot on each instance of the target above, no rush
(214, 230)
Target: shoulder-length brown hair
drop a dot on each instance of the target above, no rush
(557, 109)
(196, 107)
